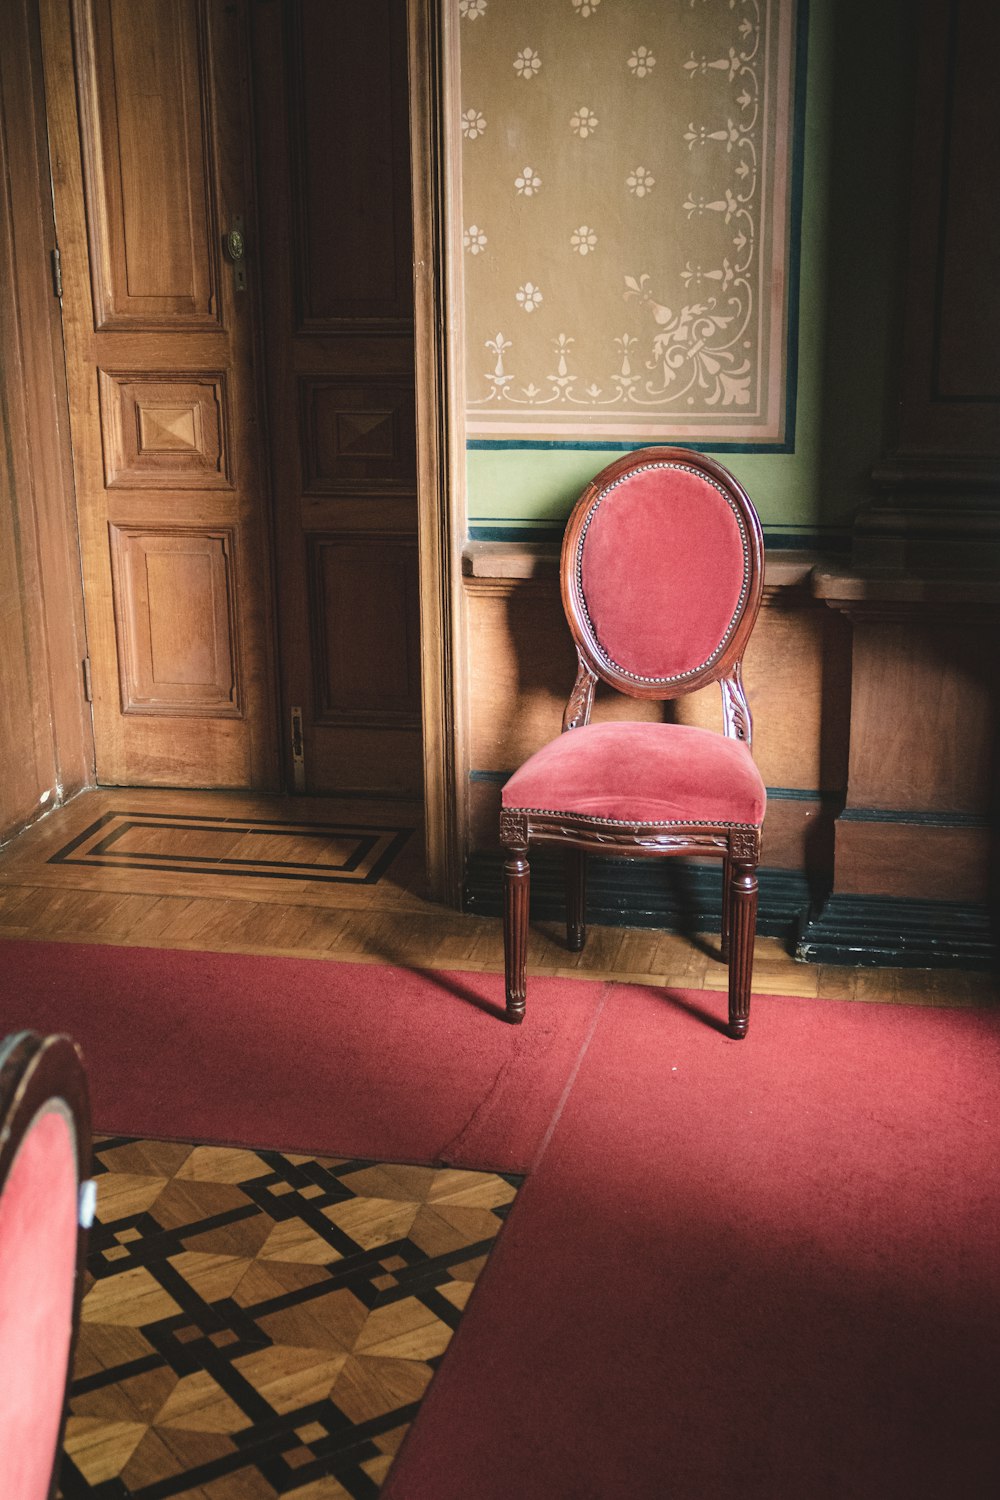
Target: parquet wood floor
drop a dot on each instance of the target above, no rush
(325, 878)
(257, 1323)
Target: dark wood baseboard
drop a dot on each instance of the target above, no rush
(684, 896)
(676, 895)
(892, 931)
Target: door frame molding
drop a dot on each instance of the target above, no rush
(441, 501)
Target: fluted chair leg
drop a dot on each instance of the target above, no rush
(516, 887)
(576, 899)
(743, 928)
(727, 906)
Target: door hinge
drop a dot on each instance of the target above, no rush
(88, 686)
(298, 752)
(57, 272)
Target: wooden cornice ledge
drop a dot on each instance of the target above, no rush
(489, 562)
(854, 589)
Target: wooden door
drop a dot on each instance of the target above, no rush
(149, 135)
(330, 91)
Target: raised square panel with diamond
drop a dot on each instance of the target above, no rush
(358, 435)
(164, 431)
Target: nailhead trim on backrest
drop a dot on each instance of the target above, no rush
(714, 656)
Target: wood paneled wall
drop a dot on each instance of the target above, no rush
(46, 750)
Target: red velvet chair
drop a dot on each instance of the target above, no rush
(662, 570)
(44, 1158)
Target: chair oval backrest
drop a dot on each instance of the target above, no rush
(662, 569)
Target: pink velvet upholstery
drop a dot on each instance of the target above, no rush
(649, 773)
(38, 1248)
(663, 571)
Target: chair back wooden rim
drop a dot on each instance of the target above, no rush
(589, 649)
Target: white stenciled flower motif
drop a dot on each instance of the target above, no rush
(473, 124)
(528, 183)
(475, 239)
(472, 9)
(527, 63)
(529, 296)
(640, 182)
(642, 62)
(583, 240)
(584, 122)
(585, 7)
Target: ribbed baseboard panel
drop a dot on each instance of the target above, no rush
(673, 894)
(897, 933)
(683, 896)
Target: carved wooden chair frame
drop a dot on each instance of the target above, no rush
(737, 845)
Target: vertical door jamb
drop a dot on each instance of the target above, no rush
(440, 439)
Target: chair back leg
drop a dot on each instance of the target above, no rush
(743, 929)
(576, 900)
(727, 907)
(516, 889)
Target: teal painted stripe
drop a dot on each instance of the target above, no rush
(802, 794)
(777, 793)
(495, 445)
(776, 541)
(929, 819)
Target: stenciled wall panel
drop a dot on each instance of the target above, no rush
(627, 218)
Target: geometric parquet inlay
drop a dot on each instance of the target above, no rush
(267, 848)
(259, 1323)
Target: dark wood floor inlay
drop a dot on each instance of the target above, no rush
(265, 848)
(258, 1323)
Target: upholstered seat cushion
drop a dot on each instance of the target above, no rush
(641, 773)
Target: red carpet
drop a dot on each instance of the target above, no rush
(357, 1059)
(768, 1269)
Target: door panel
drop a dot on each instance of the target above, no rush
(174, 592)
(363, 585)
(144, 98)
(149, 140)
(330, 91)
(349, 161)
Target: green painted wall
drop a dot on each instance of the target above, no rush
(855, 165)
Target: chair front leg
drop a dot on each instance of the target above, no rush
(743, 930)
(516, 888)
(576, 899)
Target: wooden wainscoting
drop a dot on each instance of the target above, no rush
(797, 672)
